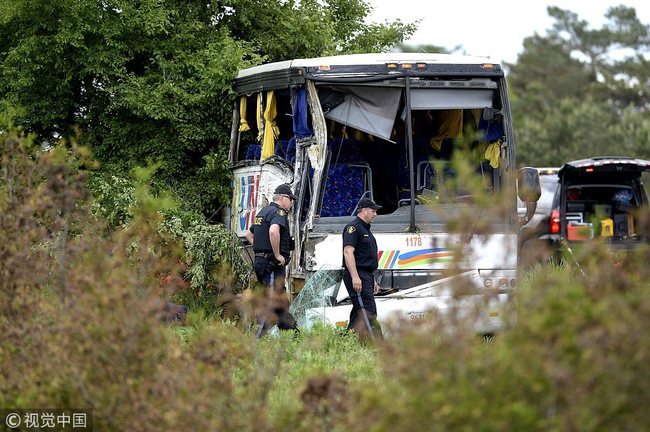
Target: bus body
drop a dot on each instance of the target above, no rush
(341, 128)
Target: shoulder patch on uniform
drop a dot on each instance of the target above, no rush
(351, 229)
(281, 212)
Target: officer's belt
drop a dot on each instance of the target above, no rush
(264, 254)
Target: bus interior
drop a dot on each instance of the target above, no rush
(368, 146)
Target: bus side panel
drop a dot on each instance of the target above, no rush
(253, 188)
(426, 251)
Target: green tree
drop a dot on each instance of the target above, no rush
(580, 92)
(545, 72)
(294, 29)
(614, 54)
(150, 80)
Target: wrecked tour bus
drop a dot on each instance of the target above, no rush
(386, 127)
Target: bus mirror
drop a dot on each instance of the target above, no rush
(528, 186)
(529, 191)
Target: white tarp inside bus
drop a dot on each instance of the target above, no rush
(369, 109)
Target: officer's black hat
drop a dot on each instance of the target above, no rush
(284, 189)
(368, 203)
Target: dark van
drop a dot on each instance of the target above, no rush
(599, 198)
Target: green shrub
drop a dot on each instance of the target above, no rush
(208, 248)
(216, 265)
(114, 198)
(80, 314)
(212, 263)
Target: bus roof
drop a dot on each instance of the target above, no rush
(364, 59)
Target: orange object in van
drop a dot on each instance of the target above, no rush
(580, 231)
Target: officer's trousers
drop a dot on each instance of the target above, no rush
(357, 321)
(276, 309)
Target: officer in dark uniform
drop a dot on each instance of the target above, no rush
(272, 244)
(359, 263)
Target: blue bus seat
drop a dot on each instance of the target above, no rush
(346, 184)
(254, 152)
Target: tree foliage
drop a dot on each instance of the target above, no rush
(282, 30)
(150, 81)
(580, 92)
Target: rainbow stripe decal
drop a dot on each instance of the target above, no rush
(245, 194)
(387, 259)
(422, 257)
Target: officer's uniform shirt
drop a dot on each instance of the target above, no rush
(357, 234)
(269, 215)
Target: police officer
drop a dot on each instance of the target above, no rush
(272, 244)
(359, 263)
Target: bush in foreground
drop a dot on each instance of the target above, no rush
(81, 325)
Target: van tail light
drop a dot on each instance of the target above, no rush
(554, 222)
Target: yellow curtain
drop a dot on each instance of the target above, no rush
(451, 126)
(492, 154)
(258, 117)
(243, 124)
(271, 131)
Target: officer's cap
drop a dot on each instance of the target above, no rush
(368, 203)
(284, 189)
